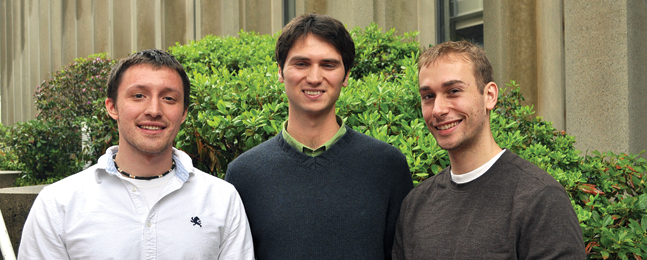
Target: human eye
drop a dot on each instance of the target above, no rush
(454, 91)
(426, 96)
(170, 99)
(138, 96)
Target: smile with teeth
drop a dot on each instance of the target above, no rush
(312, 92)
(150, 127)
(447, 126)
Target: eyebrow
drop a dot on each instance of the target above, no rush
(444, 85)
(451, 83)
(164, 90)
(302, 58)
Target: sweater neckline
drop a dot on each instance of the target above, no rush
(322, 159)
(483, 179)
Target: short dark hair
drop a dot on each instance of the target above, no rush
(326, 28)
(483, 72)
(153, 57)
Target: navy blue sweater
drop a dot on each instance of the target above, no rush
(341, 204)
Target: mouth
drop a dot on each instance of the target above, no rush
(447, 126)
(151, 127)
(313, 92)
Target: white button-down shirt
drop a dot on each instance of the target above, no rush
(95, 215)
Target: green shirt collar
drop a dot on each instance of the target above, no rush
(309, 151)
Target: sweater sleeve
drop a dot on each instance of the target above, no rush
(402, 186)
(551, 229)
(398, 238)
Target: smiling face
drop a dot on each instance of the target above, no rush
(454, 110)
(313, 75)
(149, 109)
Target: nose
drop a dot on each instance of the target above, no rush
(153, 109)
(441, 108)
(314, 75)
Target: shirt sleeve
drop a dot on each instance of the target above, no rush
(551, 229)
(238, 243)
(41, 235)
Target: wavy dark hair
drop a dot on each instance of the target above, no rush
(326, 28)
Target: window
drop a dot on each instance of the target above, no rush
(289, 11)
(460, 20)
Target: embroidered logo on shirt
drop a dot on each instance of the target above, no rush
(196, 221)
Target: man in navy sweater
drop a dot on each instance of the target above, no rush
(320, 190)
(489, 203)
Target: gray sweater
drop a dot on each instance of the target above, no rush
(515, 210)
(341, 204)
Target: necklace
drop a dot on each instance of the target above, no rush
(139, 177)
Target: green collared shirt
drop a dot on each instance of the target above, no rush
(309, 151)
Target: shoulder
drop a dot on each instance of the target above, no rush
(205, 181)
(260, 151)
(428, 186)
(527, 181)
(370, 145)
(526, 171)
(72, 184)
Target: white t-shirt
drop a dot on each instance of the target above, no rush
(473, 175)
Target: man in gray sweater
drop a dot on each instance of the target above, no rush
(489, 203)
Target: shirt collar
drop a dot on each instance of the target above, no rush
(182, 164)
(314, 152)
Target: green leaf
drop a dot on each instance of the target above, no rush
(605, 254)
(635, 226)
(608, 220)
(642, 201)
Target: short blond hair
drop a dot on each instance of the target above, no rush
(483, 71)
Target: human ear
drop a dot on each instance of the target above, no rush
(111, 108)
(345, 83)
(491, 95)
(280, 74)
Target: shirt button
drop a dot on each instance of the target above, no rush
(148, 224)
(133, 189)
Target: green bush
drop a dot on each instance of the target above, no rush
(72, 89)
(75, 97)
(48, 150)
(50, 147)
(380, 52)
(232, 53)
(8, 157)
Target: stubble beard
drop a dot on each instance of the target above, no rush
(145, 149)
(141, 144)
(467, 140)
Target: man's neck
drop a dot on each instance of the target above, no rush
(469, 158)
(312, 131)
(144, 165)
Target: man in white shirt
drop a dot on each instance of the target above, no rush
(489, 203)
(143, 199)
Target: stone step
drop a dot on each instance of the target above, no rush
(8, 178)
(15, 204)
